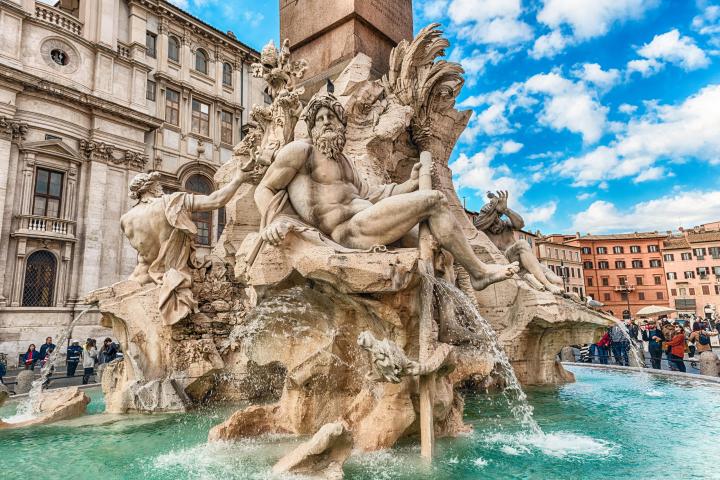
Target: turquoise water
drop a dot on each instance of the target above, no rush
(607, 425)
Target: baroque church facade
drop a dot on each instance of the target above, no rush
(93, 92)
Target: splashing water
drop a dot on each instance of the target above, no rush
(27, 409)
(513, 392)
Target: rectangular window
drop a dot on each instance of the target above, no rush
(150, 93)
(638, 280)
(226, 127)
(603, 265)
(715, 252)
(622, 280)
(200, 118)
(673, 292)
(605, 281)
(606, 296)
(227, 75)
(699, 253)
(706, 289)
(686, 256)
(151, 44)
(641, 295)
(589, 281)
(221, 222)
(690, 274)
(717, 289)
(588, 265)
(716, 270)
(601, 250)
(668, 257)
(620, 264)
(692, 291)
(48, 193)
(655, 264)
(49, 136)
(637, 264)
(618, 250)
(659, 295)
(635, 249)
(653, 248)
(658, 280)
(703, 272)
(671, 276)
(586, 250)
(172, 107)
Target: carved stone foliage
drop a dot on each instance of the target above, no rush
(419, 81)
(16, 130)
(100, 151)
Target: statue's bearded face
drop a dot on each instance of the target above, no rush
(328, 134)
(154, 190)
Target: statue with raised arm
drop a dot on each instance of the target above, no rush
(159, 226)
(500, 232)
(325, 190)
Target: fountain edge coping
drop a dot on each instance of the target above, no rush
(667, 373)
(79, 387)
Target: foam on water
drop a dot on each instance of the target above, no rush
(555, 444)
(480, 462)
(19, 417)
(654, 393)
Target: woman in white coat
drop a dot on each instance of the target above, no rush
(89, 357)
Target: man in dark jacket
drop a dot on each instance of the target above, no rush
(655, 338)
(108, 352)
(73, 357)
(46, 348)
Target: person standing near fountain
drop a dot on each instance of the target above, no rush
(74, 352)
(677, 348)
(327, 193)
(162, 231)
(655, 338)
(89, 357)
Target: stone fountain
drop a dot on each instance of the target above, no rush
(319, 305)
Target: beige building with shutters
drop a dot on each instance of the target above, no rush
(91, 93)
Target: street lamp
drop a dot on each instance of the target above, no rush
(626, 289)
(563, 274)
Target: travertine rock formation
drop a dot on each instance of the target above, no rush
(53, 406)
(322, 456)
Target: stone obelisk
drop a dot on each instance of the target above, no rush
(329, 33)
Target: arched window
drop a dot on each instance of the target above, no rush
(173, 49)
(201, 61)
(201, 185)
(39, 287)
(227, 74)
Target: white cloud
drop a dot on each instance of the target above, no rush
(433, 9)
(475, 63)
(539, 214)
(510, 147)
(673, 48)
(708, 24)
(569, 106)
(627, 109)
(549, 45)
(586, 19)
(585, 196)
(478, 173)
(681, 209)
(495, 22)
(645, 67)
(591, 18)
(593, 73)
(675, 133)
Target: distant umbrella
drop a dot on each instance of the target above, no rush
(654, 310)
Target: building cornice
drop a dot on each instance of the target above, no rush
(165, 9)
(34, 83)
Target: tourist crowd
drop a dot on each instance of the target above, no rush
(88, 354)
(673, 338)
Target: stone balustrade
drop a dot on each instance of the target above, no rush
(59, 18)
(123, 50)
(39, 224)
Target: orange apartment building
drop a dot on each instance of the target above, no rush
(692, 269)
(562, 256)
(624, 271)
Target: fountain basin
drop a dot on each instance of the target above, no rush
(609, 421)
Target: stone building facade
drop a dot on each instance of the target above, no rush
(562, 257)
(692, 270)
(624, 271)
(91, 93)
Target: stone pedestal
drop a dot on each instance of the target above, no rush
(24, 382)
(567, 354)
(329, 34)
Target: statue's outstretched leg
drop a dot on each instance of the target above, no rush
(391, 218)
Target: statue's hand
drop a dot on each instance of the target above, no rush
(276, 232)
(414, 182)
(502, 196)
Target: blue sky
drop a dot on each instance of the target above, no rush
(597, 115)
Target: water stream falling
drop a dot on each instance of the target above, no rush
(513, 392)
(26, 409)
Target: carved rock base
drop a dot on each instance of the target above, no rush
(53, 406)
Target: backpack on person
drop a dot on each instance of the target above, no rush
(704, 339)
